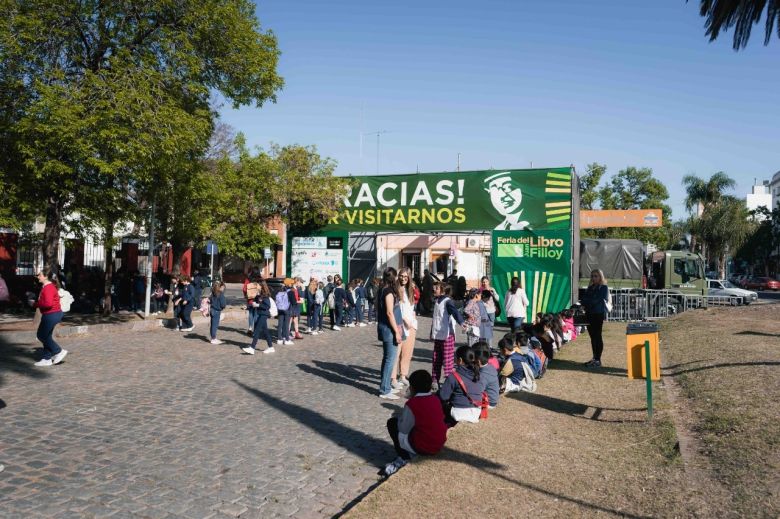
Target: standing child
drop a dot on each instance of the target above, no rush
(319, 301)
(486, 321)
(463, 388)
(443, 332)
(371, 293)
(350, 304)
(420, 429)
(294, 294)
(283, 307)
(185, 304)
(262, 305)
(339, 301)
(217, 303)
(313, 308)
(473, 316)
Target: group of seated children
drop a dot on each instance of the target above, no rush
(474, 386)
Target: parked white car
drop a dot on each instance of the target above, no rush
(721, 287)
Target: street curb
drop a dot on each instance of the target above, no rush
(153, 323)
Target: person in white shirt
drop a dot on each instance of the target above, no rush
(515, 305)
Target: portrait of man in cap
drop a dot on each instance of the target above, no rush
(506, 197)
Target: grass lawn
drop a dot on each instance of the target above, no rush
(581, 446)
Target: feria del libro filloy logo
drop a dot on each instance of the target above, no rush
(531, 247)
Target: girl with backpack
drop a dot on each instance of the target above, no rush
(262, 305)
(217, 303)
(283, 307)
(51, 314)
(463, 388)
(443, 331)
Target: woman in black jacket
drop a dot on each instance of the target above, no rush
(262, 305)
(596, 300)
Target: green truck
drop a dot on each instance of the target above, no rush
(658, 281)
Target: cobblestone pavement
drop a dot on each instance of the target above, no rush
(163, 424)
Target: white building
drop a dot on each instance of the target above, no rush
(761, 196)
(774, 189)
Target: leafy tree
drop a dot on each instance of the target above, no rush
(68, 70)
(725, 227)
(761, 246)
(589, 183)
(636, 188)
(741, 15)
(292, 182)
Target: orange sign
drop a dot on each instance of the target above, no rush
(621, 218)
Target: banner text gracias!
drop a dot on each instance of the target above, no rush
(393, 204)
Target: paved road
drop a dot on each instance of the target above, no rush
(160, 424)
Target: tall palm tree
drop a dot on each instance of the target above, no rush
(724, 227)
(740, 14)
(707, 193)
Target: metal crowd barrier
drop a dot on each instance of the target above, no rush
(640, 305)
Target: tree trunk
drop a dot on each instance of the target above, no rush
(109, 257)
(722, 265)
(51, 234)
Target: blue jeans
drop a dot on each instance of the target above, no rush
(315, 317)
(184, 314)
(371, 312)
(45, 331)
(515, 323)
(261, 330)
(283, 327)
(389, 353)
(339, 315)
(251, 317)
(359, 311)
(215, 315)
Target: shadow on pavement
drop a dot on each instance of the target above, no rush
(340, 374)
(373, 451)
(15, 358)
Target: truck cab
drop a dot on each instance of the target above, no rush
(677, 271)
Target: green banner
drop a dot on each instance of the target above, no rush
(466, 201)
(541, 260)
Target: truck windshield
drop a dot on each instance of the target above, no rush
(687, 269)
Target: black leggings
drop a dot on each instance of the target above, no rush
(392, 428)
(595, 324)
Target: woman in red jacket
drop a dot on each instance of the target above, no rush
(51, 314)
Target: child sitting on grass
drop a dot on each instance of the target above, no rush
(516, 374)
(420, 428)
(463, 388)
(488, 371)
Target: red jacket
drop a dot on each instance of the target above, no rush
(430, 431)
(49, 299)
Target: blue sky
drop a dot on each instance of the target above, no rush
(507, 84)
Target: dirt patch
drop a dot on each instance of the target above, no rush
(579, 447)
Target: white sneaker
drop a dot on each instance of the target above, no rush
(288, 343)
(351, 325)
(249, 350)
(362, 325)
(336, 328)
(390, 396)
(315, 332)
(394, 466)
(188, 329)
(216, 341)
(269, 350)
(403, 380)
(280, 341)
(397, 384)
(396, 390)
(44, 362)
(60, 356)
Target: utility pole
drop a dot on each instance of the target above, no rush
(458, 162)
(149, 264)
(377, 145)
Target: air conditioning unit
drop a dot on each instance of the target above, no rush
(472, 243)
